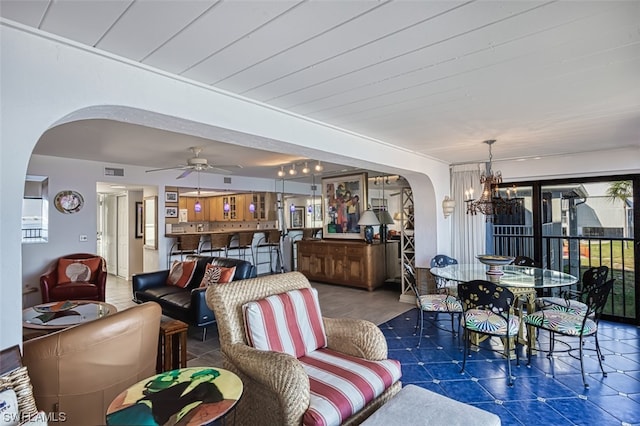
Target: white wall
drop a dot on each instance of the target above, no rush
(45, 81)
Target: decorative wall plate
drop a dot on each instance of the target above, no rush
(68, 201)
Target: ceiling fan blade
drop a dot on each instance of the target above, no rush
(220, 169)
(164, 168)
(185, 173)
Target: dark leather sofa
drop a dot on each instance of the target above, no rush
(186, 304)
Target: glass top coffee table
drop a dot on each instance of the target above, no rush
(60, 315)
(186, 396)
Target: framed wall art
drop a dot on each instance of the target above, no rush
(171, 197)
(170, 212)
(345, 198)
(297, 217)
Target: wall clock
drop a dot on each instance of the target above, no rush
(68, 201)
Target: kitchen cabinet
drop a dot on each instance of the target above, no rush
(213, 207)
(264, 203)
(189, 204)
(202, 215)
(236, 208)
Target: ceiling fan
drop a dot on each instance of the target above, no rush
(196, 164)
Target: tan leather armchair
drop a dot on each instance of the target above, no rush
(80, 370)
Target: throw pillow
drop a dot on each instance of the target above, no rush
(217, 275)
(78, 270)
(181, 273)
(289, 322)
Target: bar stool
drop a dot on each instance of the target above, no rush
(245, 242)
(216, 243)
(184, 245)
(269, 243)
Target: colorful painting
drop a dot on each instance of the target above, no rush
(345, 198)
(188, 396)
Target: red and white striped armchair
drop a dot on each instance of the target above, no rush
(297, 366)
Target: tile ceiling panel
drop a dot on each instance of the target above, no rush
(530, 65)
(26, 12)
(434, 66)
(375, 23)
(218, 29)
(163, 20)
(91, 19)
(434, 77)
(305, 21)
(417, 40)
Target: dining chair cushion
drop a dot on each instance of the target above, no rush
(571, 306)
(486, 321)
(341, 385)
(288, 322)
(181, 273)
(561, 322)
(439, 303)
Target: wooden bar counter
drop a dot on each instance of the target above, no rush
(351, 263)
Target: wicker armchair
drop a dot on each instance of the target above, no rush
(276, 387)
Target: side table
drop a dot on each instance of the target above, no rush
(172, 346)
(187, 396)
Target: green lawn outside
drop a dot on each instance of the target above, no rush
(612, 254)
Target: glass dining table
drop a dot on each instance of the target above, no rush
(523, 281)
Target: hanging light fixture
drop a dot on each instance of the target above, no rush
(306, 169)
(319, 167)
(281, 172)
(490, 203)
(197, 207)
(226, 207)
(252, 205)
(292, 170)
(292, 208)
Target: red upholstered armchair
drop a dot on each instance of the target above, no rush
(78, 276)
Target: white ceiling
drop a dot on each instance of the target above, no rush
(435, 77)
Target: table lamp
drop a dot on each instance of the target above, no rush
(385, 219)
(368, 220)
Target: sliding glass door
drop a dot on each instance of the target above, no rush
(572, 225)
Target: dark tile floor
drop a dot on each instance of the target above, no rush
(548, 392)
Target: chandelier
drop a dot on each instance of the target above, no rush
(491, 202)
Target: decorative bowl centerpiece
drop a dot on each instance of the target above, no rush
(495, 262)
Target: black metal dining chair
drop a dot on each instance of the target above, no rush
(573, 301)
(526, 261)
(573, 324)
(487, 310)
(440, 261)
(440, 302)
